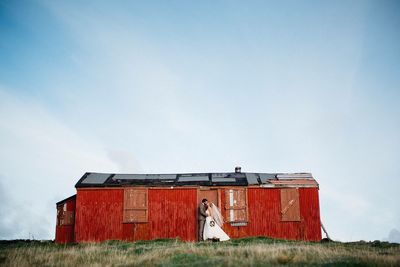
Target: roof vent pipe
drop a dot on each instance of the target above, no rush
(238, 169)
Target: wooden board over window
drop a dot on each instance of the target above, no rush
(64, 216)
(135, 205)
(236, 205)
(290, 206)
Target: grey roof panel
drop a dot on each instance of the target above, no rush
(222, 179)
(144, 177)
(219, 175)
(281, 176)
(161, 176)
(264, 177)
(252, 178)
(194, 178)
(96, 178)
(200, 179)
(130, 176)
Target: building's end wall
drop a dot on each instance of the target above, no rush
(65, 224)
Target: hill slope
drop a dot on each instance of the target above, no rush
(239, 252)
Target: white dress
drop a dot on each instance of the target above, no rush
(212, 230)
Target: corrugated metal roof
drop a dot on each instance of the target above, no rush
(200, 179)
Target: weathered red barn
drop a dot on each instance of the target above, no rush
(150, 206)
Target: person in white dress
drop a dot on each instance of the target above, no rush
(214, 222)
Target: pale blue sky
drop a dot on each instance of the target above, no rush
(201, 86)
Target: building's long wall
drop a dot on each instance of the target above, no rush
(172, 214)
(265, 217)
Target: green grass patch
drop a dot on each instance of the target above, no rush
(256, 251)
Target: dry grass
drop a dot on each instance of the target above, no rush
(241, 252)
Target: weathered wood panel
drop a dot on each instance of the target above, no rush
(236, 205)
(232, 231)
(135, 198)
(290, 205)
(135, 205)
(65, 226)
(210, 194)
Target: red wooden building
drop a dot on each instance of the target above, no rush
(150, 206)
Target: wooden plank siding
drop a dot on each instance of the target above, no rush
(99, 215)
(310, 214)
(172, 213)
(65, 232)
(265, 216)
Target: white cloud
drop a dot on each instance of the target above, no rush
(41, 160)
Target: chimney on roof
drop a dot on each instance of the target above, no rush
(238, 169)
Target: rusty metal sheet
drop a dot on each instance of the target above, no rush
(294, 182)
(294, 176)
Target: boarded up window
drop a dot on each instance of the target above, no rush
(64, 216)
(59, 210)
(236, 205)
(290, 206)
(135, 205)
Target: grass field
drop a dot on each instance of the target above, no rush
(239, 252)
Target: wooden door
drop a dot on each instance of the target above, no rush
(212, 195)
